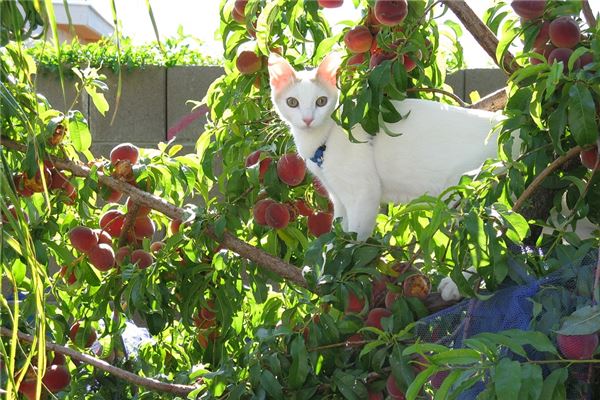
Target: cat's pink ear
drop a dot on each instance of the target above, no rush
(327, 71)
(281, 73)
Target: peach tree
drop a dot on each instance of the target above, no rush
(230, 256)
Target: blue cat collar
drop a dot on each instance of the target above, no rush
(319, 155)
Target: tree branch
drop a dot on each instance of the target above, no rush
(492, 102)
(484, 36)
(588, 13)
(264, 260)
(543, 175)
(150, 383)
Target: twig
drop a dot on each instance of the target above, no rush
(149, 383)
(492, 102)
(441, 91)
(484, 36)
(132, 213)
(588, 13)
(543, 175)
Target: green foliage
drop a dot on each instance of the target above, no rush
(269, 338)
(180, 50)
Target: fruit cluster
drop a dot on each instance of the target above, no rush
(556, 39)
(206, 323)
(56, 378)
(291, 170)
(361, 41)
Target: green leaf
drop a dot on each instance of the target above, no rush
(531, 374)
(557, 122)
(79, 131)
(584, 321)
(442, 392)
(457, 356)
(270, 384)
(415, 387)
(98, 99)
(582, 115)
(349, 386)
(299, 369)
(507, 379)
(364, 255)
(553, 387)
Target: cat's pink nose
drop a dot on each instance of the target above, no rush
(307, 120)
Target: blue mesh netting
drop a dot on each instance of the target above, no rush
(512, 306)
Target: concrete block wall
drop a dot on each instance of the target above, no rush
(154, 103)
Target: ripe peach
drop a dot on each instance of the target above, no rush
(409, 63)
(28, 387)
(112, 196)
(58, 180)
(112, 222)
(356, 59)
(277, 215)
(589, 158)
(175, 226)
(376, 315)
(155, 247)
(56, 378)
(543, 36)
(253, 158)
(20, 187)
(586, 58)
(355, 304)
(529, 9)
(263, 166)
(34, 183)
(302, 208)
(330, 3)
(83, 238)
(417, 285)
(57, 135)
(375, 396)
(390, 12)
(143, 227)
(358, 39)
(291, 169)
(208, 313)
(124, 151)
(562, 54)
(355, 340)
(260, 209)
(71, 279)
(103, 236)
(248, 62)
(390, 299)
(237, 17)
(122, 254)
(437, 379)
(564, 32)
(91, 338)
(102, 257)
(59, 359)
(142, 210)
(393, 389)
(319, 187)
(380, 56)
(142, 258)
(320, 223)
(577, 347)
(240, 7)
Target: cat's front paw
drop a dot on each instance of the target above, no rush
(448, 290)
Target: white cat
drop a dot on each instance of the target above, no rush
(439, 143)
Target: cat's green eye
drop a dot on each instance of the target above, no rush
(292, 102)
(321, 101)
